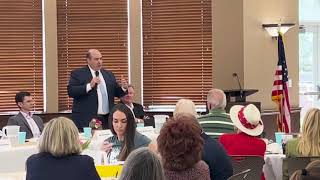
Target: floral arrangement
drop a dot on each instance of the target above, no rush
(95, 124)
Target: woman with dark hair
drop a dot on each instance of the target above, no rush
(125, 137)
(180, 146)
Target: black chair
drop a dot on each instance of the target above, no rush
(149, 121)
(253, 163)
(296, 163)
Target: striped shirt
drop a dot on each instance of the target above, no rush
(216, 123)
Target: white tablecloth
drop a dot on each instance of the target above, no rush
(272, 168)
(13, 176)
(13, 159)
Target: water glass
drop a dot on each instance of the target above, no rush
(87, 132)
(22, 137)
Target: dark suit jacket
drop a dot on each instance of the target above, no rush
(137, 110)
(19, 120)
(215, 156)
(85, 105)
(44, 166)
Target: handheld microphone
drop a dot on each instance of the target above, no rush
(97, 75)
(240, 88)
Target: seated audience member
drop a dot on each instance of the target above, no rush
(125, 137)
(29, 123)
(180, 146)
(309, 142)
(136, 108)
(247, 120)
(311, 172)
(185, 106)
(142, 164)
(213, 152)
(59, 156)
(217, 122)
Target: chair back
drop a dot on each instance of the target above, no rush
(253, 163)
(240, 176)
(296, 163)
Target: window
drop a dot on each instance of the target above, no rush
(21, 61)
(309, 59)
(82, 25)
(177, 51)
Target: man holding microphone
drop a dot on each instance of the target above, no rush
(93, 90)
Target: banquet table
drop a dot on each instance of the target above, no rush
(13, 159)
(272, 168)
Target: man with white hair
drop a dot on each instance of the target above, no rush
(217, 121)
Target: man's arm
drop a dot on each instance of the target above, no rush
(224, 170)
(119, 90)
(12, 121)
(75, 88)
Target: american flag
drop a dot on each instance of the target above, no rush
(280, 89)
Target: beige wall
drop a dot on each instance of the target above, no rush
(239, 45)
(227, 43)
(260, 51)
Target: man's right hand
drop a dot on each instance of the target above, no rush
(94, 81)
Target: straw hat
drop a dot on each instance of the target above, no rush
(247, 119)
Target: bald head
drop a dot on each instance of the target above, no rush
(216, 99)
(94, 59)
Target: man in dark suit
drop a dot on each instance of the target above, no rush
(136, 108)
(29, 123)
(93, 90)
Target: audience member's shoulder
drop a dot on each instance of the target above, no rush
(291, 147)
(211, 141)
(293, 141)
(141, 139)
(37, 116)
(137, 105)
(14, 116)
(41, 155)
(203, 116)
(201, 164)
(228, 135)
(85, 158)
(202, 167)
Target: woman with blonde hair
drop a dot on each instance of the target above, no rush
(308, 144)
(59, 156)
(312, 171)
(142, 164)
(185, 106)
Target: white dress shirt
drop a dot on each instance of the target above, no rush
(88, 88)
(32, 124)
